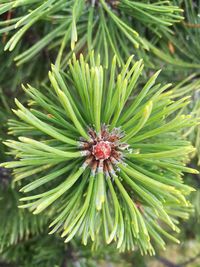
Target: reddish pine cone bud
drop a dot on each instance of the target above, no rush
(102, 150)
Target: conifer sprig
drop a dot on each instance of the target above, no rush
(106, 162)
(88, 25)
(16, 224)
(191, 85)
(182, 48)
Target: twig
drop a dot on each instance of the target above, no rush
(190, 260)
(167, 263)
(191, 25)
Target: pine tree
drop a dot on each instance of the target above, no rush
(100, 149)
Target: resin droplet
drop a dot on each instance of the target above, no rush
(102, 150)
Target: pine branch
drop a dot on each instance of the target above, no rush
(90, 25)
(191, 84)
(185, 41)
(16, 225)
(86, 144)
